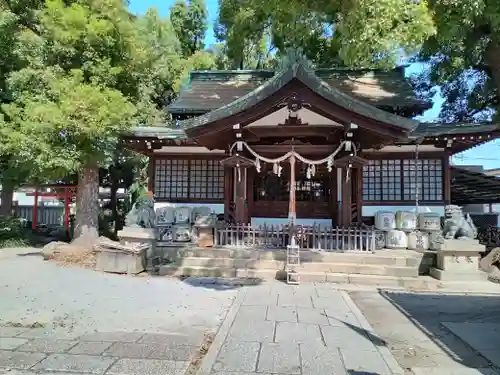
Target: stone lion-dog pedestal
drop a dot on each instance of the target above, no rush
(458, 260)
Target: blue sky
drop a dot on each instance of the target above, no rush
(483, 155)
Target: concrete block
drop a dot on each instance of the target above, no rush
(287, 332)
(112, 336)
(194, 338)
(338, 278)
(282, 314)
(374, 280)
(321, 360)
(295, 300)
(12, 331)
(126, 366)
(9, 343)
(176, 353)
(129, 350)
(90, 348)
(365, 362)
(346, 338)
(75, 363)
(312, 316)
(119, 262)
(280, 358)
(476, 275)
(19, 360)
(237, 356)
(259, 332)
(47, 346)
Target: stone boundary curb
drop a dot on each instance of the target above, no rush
(209, 360)
(385, 353)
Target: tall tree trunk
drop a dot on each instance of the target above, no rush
(492, 58)
(113, 201)
(87, 207)
(6, 199)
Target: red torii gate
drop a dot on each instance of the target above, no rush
(68, 193)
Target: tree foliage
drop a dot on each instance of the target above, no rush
(189, 21)
(464, 58)
(330, 32)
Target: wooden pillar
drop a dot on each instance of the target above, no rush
(446, 180)
(250, 183)
(346, 197)
(151, 173)
(228, 193)
(236, 166)
(332, 182)
(34, 221)
(240, 201)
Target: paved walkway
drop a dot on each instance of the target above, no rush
(309, 330)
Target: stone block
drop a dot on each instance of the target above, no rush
(194, 338)
(90, 348)
(321, 360)
(295, 300)
(75, 363)
(47, 346)
(364, 362)
(347, 338)
(9, 343)
(237, 356)
(19, 360)
(120, 262)
(281, 358)
(12, 331)
(458, 260)
(127, 366)
(113, 336)
(129, 350)
(174, 353)
(282, 313)
(312, 316)
(297, 332)
(259, 332)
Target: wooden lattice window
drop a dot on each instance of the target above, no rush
(206, 180)
(427, 174)
(396, 180)
(382, 180)
(181, 179)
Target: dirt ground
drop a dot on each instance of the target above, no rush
(413, 325)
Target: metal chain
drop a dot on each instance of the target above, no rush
(416, 179)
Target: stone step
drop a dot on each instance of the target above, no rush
(307, 276)
(349, 268)
(380, 257)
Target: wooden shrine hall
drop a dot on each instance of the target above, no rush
(337, 144)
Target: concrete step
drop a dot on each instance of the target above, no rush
(348, 268)
(306, 276)
(380, 257)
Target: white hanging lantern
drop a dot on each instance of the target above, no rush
(280, 168)
(275, 168)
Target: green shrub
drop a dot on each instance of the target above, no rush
(15, 233)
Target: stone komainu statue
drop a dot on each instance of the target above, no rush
(142, 214)
(457, 225)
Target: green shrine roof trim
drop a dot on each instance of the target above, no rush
(209, 90)
(424, 129)
(308, 77)
(158, 132)
(429, 129)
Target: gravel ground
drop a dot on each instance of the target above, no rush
(79, 300)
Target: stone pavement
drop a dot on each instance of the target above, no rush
(434, 333)
(309, 330)
(42, 351)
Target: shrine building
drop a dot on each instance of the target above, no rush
(345, 139)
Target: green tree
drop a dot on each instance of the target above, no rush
(99, 71)
(363, 33)
(464, 58)
(189, 21)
